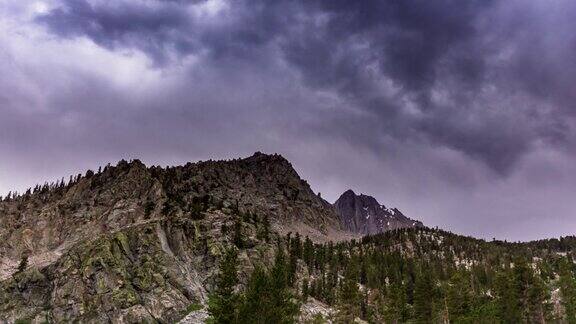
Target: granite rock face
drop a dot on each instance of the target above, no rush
(132, 244)
(365, 215)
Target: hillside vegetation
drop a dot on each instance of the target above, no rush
(248, 241)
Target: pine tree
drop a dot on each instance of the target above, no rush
(237, 235)
(530, 292)
(291, 269)
(268, 298)
(423, 297)
(537, 296)
(283, 304)
(23, 264)
(305, 290)
(396, 310)
(568, 291)
(296, 246)
(508, 298)
(459, 297)
(256, 306)
(349, 297)
(308, 253)
(224, 302)
(264, 230)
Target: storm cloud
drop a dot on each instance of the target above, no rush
(459, 112)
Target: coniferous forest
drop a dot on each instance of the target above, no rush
(405, 276)
(185, 240)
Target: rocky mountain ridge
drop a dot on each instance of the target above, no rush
(365, 215)
(48, 221)
(131, 243)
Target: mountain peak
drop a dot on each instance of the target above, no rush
(365, 215)
(348, 193)
(265, 156)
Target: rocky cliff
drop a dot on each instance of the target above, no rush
(365, 215)
(132, 243)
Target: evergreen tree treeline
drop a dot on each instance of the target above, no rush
(267, 298)
(414, 276)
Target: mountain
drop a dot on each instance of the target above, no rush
(53, 217)
(132, 244)
(135, 243)
(365, 215)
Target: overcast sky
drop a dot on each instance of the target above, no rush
(459, 113)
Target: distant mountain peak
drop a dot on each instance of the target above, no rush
(363, 214)
(348, 192)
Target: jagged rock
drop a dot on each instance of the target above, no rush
(313, 310)
(133, 243)
(363, 214)
(196, 317)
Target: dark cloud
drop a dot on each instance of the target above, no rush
(155, 29)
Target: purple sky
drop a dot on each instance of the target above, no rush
(459, 113)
